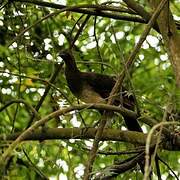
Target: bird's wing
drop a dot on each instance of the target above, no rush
(103, 84)
(100, 83)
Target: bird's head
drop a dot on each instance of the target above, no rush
(69, 59)
(65, 55)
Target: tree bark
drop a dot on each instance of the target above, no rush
(170, 36)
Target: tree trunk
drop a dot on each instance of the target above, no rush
(170, 37)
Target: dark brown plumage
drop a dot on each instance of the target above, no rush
(92, 87)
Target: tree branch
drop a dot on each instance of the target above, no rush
(99, 10)
(132, 137)
(140, 11)
(171, 38)
(82, 133)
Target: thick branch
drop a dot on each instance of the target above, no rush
(99, 10)
(83, 133)
(44, 120)
(140, 11)
(89, 133)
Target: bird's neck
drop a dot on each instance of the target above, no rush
(73, 77)
(71, 66)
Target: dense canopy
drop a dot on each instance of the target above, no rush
(48, 133)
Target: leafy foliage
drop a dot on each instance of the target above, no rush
(28, 62)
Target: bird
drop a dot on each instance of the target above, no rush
(91, 87)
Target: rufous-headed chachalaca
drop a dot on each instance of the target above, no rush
(92, 87)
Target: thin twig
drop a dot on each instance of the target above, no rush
(116, 87)
(132, 56)
(48, 87)
(4, 5)
(97, 44)
(39, 79)
(148, 141)
(76, 24)
(80, 31)
(38, 171)
(158, 167)
(169, 168)
(140, 10)
(99, 10)
(7, 153)
(18, 101)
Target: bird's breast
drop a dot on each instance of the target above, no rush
(88, 95)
